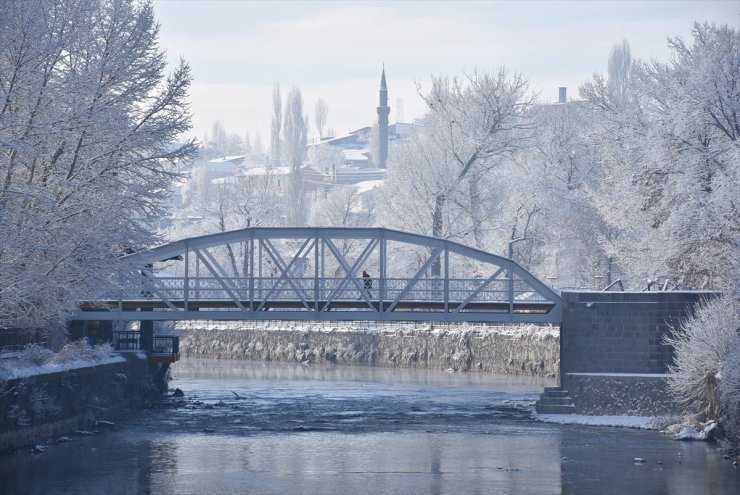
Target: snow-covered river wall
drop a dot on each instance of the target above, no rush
(519, 350)
(36, 405)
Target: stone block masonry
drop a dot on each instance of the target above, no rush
(612, 356)
(526, 350)
(621, 332)
(623, 394)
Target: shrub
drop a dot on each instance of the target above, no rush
(34, 355)
(81, 350)
(705, 376)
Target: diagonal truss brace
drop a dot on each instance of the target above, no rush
(432, 258)
(350, 270)
(308, 244)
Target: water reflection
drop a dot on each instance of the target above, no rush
(281, 429)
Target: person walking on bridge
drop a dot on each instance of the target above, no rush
(368, 282)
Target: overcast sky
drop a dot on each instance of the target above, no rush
(238, 50)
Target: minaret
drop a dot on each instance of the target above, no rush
(383, 111)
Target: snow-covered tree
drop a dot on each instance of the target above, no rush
(277, 125)
(472, 126)
(671, 159)
(221, 143)
(87, 122)
(343, 206)
(295, 129)
(703, 375)
(322, 111)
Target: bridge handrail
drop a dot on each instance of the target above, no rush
(208, 288)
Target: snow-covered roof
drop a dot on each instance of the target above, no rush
(368, 185)
(331, 139)
(356, 155)
(224, 180)
(228, 159)
(262, 171)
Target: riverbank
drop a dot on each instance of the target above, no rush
(46, 403)
(516, 350)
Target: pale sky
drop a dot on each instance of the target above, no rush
(238, 50)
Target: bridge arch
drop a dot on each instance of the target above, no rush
(272, 273)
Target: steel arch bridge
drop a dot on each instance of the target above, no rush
(314, 274)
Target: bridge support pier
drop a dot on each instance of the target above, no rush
(146, 327)
(158, 372)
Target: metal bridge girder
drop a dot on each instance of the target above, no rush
(281, 273)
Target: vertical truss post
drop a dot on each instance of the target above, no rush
(197, 277)
(261, 276)
(510, 290)
(447, 279)
(186, 282)
(383, 272)
(316, 277)
(322, 257)
(251, 272)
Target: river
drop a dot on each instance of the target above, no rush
(272, 428)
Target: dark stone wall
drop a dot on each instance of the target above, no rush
(621, 332)
(39, 407)
(608, 336)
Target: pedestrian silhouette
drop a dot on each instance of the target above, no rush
(368, 282)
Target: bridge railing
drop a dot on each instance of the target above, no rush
(126, 340)
(321, 289)
(162, 345)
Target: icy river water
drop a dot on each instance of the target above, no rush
(268, 428)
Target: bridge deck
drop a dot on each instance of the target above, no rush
(360, 305)
(147, 309)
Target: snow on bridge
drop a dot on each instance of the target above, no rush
(315, 274)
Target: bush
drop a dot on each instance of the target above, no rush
(705, 376)
(81, 350)
(34, 355)
(729, 388)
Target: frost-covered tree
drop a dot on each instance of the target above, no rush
(619, 69)
(343, 206)
(729, 395)
(326, 158)
(248, 201)
(295, 130)
(322, 111)
(670, 150)
(277, 125)
(694, 104)
(439, 183)
(703, 376)
(555, 228)
(88, 119)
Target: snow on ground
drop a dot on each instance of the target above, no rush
(35, 360)
(639, 422)
(10, 372)
(641, 375)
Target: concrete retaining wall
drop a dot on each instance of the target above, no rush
(632, 395)
(39, 407)
(525, 351)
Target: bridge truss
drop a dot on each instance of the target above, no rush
(315, 274)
